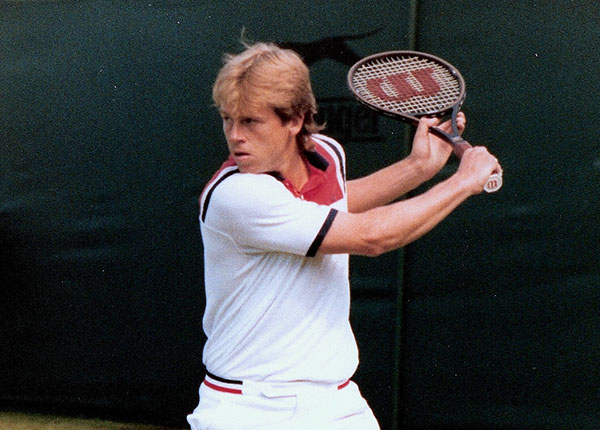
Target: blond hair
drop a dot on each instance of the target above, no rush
(267, 75)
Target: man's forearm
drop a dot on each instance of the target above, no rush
(422, 213)
(385, 185)
(386, 228)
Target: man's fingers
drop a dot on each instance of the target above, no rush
(424, 124)
(461, 122)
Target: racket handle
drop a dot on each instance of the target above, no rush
(494, 182)
(459, 146)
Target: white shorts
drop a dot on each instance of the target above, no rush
(291, 406)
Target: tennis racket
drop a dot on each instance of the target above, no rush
(408, 85)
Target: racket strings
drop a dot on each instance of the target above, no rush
(407, 84)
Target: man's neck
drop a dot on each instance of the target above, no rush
(297, 172)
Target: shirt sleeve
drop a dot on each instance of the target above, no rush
(259, 214)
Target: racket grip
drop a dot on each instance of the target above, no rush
(459, 146)
(494, 182)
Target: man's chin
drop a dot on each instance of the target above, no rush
(244, 168)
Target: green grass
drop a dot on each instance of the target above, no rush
(34, 421)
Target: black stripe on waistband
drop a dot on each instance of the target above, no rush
(226, 381)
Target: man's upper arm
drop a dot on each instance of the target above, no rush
(349, 234)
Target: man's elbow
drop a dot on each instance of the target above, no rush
(376, 242)
(373, 251)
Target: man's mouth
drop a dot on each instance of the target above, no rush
(241, 157)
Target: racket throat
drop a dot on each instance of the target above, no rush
(458, 143)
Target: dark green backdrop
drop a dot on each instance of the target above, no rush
(107, 137)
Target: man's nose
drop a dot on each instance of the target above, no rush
(236, 132)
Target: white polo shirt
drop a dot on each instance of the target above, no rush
(276, 311)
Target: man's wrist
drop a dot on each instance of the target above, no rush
(423, 170)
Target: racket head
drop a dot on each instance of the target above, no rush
(407, 84)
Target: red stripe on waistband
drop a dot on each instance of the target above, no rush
(222, 389)
(344, 385)
(238, 391)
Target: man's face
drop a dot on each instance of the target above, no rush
(259, 141)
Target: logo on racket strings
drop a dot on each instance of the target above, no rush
(401, 87)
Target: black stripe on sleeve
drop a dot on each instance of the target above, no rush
(314, 247)
(209, 193)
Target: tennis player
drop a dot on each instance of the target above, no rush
(278, 221)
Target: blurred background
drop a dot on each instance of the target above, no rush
(107, 137)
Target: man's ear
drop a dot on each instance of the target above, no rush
(295, 124)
